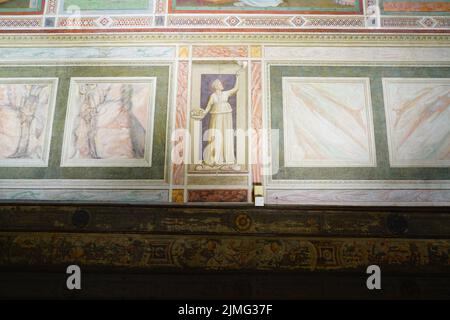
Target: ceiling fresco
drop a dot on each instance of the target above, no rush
(268, 6)
(415, 7)
(224, 15)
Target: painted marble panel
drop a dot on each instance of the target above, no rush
(179, 135)
(220, 51)
(327, 122)
(384, 197)
(418, 121)
(219, 6)
(86, 53)
(26, 116)
(257, 121)
(79, 195)
(358, 54)
(218, 195)
(109, 122)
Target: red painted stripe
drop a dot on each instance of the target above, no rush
(201, 31)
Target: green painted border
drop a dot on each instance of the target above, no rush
(383, 171)
(106, 5)
(38, 7)
(64, 73)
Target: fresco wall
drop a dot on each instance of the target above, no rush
(222, 15)
(176, 107)
(105, 123)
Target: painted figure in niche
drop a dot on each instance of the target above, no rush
(24, 115)
(220, 148)
(106, 127)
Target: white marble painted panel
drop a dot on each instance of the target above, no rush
(26, 115)
(418, 121)
(69, 54)
(386, 197)
(77, 195)
(109, 122)
(328, 122)
(358, 54)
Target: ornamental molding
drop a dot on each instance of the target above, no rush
(314, 39)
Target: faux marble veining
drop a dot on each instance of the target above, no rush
(178, 138)
(257, 121)
(360, 197)
(220, 51)
(120, 196)
(76, 53)
(357, 54)
(327, 122)
(418, 121)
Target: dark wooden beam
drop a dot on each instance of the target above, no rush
(406, 222)
(283, 250)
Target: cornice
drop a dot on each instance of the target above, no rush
(316, 39)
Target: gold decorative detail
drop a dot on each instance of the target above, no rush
(243, 222)
(256, 52)
(258, 191)
(178, 196)
(183, 52)
(305, 39)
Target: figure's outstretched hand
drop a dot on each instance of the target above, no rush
(242, 67)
